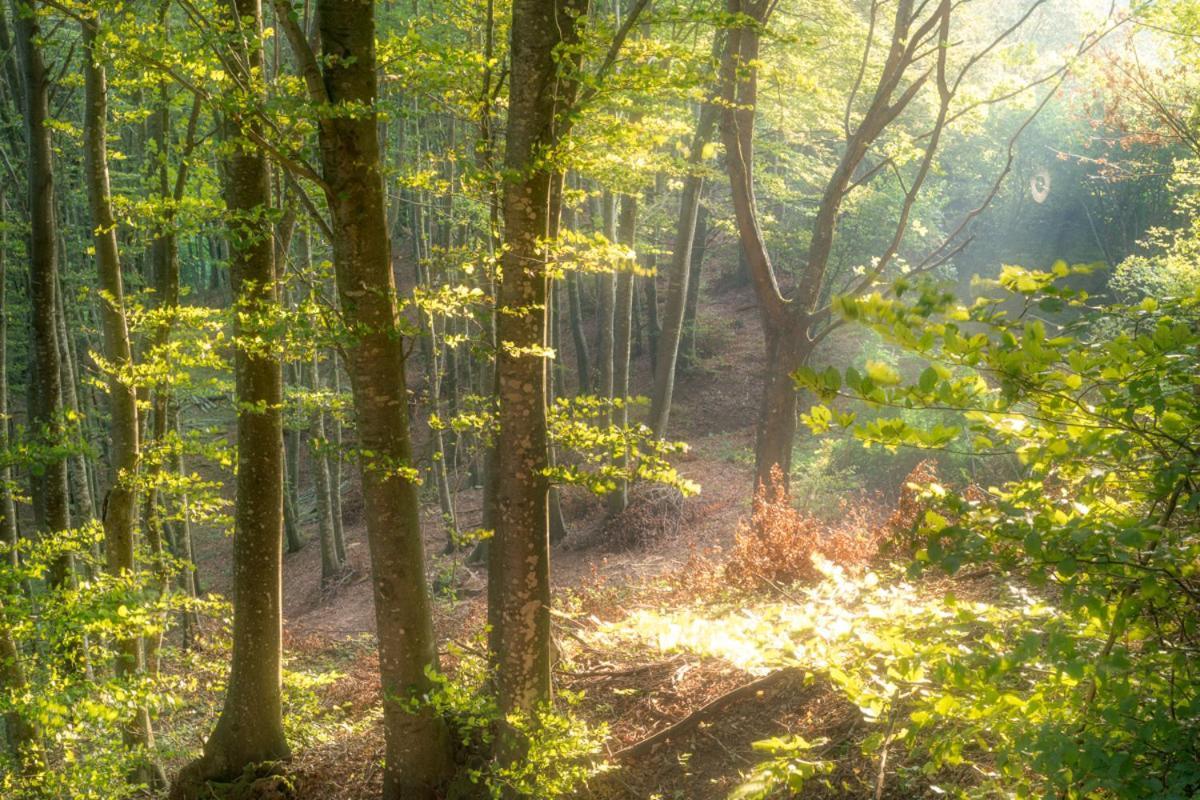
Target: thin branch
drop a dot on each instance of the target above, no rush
(610, 58)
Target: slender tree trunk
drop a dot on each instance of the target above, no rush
(699, 244)
(21, 735)
(331, 564)
(164, 265)
(777, 412)
(583, 367)
(189, 577)
(618, 499)
(650, 300)
(336, 460)
(8, 510)
(679, 280)
(556, 381)
(121, 509)
(291, 503)
(608, 302)
(77, 470)
(250, 727)
(51, 506)
(441, 453)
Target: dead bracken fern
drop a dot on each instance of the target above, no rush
(905, 521)
(777, 545)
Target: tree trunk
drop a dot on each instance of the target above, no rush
(9, 532)
(695, 272)
(335, 466)
(618, 499)
(650, 299)
(291, 445)
(332, 561)
(417, 758)
(777, 412)
(440, 455)
(583, 367)
(51, 506)
(77, 468)
(164, 265)
(331, 565)
(787, 350)
(520, 554)
(121, 508)
(608, 302)
(679, 284)
(189, 577)
(21, 735)
(250, 727)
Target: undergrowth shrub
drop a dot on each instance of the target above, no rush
(562, 752)
(777, 545)
(654, 513)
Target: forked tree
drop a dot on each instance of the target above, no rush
(917, 56)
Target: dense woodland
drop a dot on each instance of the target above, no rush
(615, 399)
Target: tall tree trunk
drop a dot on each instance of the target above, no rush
(441, 453)
(77, 468)
(189, 577)
(583, 366)
(250, 727)
(679, 280)
(418, 747)
(608, 302)
(51, 507)
(699, 245)
(331, 564)
(520, 553)
(21, 735)
(164, 265)
(9, 532)
(121, 508)
(336, 461)
(618, 499)
(332, 561)
(739, 78)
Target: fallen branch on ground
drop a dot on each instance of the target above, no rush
(705, 711)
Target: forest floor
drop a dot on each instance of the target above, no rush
(634, 692)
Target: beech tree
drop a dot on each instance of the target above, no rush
(794, 325)
(121, 505)
(250, 728)
(418, 747)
